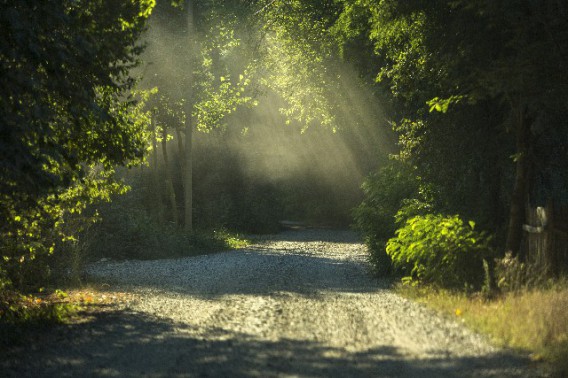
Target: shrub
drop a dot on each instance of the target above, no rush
(413, 207)
(385, 192)
(441, 250)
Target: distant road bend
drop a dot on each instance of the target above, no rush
(298, 304)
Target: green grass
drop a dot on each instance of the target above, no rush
(231, 240)
(532, 321)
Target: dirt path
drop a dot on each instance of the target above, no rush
(300, 304)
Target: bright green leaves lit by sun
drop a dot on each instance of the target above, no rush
(221, 86)
(295, 63)
(144, 8)
(440, 250)
(67, 120)
(443, 104)
(300, 82)
(287, 52)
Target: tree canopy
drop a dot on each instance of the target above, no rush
(476, 92)
(66, 108)
(479, 89)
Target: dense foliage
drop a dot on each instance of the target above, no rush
(385, 192)
(440, 250)
(66, 119)
(475, 91)
(478, 89)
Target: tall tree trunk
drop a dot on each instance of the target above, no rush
(519, 196)
(188, 178)
(155, 175)
(188, 161)
(180, 151)
(169, 179)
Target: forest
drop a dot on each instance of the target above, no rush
(147, 129)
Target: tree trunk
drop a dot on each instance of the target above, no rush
(169, 180)
(188, 163)
(519, 196)
(180, 151)
(155, 174)
(188, 178)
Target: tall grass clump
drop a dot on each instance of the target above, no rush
(531, 321)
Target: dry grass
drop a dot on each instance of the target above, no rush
(532, 321)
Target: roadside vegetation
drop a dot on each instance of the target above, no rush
(471, 210)
(26, 317)
(531, 321)
(115, 145)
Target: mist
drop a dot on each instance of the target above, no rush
(310, 172)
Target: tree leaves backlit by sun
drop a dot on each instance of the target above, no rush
(66, 120)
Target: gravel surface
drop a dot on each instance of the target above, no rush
(298, 304)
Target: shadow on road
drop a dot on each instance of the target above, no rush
(303, 262)
(248, 273)
(130, 344)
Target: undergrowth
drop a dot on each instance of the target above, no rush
(23, 311)
(25, 316)
(533, 321)
(20, 308)
(136, 235)
(20, 314)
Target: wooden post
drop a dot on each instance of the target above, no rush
(520, 188)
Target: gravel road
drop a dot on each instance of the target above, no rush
(298, 304)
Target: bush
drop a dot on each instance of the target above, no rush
(385, 192)
(441, 250)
